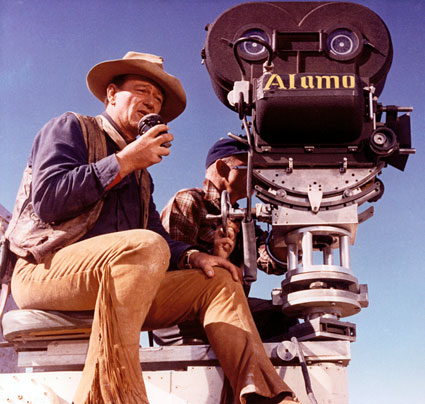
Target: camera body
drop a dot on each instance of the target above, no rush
(310, 74)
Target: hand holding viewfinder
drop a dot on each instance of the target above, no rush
(148, 122)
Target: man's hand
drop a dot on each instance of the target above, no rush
(207, 262)
(144, 151)
(224, 245)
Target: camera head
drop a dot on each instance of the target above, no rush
(309, 74)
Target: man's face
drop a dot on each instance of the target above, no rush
(135, 98)
(236, 183)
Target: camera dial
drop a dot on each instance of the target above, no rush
(251, 50)
(343, 44)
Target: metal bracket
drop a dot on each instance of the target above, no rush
(366, 214)
(240, 87)
(372, 115)
(344, 167)
(290, 167)
(315, 195)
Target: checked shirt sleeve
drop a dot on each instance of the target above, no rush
(182, 215)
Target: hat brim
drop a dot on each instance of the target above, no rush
(102, 74)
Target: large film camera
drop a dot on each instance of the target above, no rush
(305, 77)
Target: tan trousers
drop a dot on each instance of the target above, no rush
(122, 276)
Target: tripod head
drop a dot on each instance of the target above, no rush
(305, 77)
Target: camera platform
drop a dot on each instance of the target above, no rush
(172, 374)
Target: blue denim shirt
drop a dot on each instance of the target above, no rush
(64, 184)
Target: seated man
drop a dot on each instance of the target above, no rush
(87, 236)
(184, 217)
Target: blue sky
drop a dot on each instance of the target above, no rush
(46, 50)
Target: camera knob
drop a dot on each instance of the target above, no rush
(383, 141)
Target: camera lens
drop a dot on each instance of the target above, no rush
(252, 50)
(343, 43)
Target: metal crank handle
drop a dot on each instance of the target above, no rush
(227, 212)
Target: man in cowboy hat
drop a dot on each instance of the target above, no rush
(87, 236)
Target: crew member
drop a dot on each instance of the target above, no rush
(185, 218)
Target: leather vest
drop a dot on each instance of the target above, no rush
(28, 235)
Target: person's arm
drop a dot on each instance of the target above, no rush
(64, 184)
(182, 217)
(197, 260)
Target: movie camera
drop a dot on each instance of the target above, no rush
(304, 78)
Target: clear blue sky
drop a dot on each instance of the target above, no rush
(46, 50)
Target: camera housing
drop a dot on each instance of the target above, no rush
(310, 74)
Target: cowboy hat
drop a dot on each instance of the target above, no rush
(143, 64)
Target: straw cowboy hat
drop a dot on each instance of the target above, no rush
(143, 64)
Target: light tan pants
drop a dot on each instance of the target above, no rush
(122, 276)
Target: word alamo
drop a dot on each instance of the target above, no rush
(309, 82)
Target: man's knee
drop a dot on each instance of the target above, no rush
(143, 248)
(222, 275)
(152, 242)
(149, 241)
(225, 275)
(223, 282)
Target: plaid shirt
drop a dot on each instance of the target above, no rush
(184, 217)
